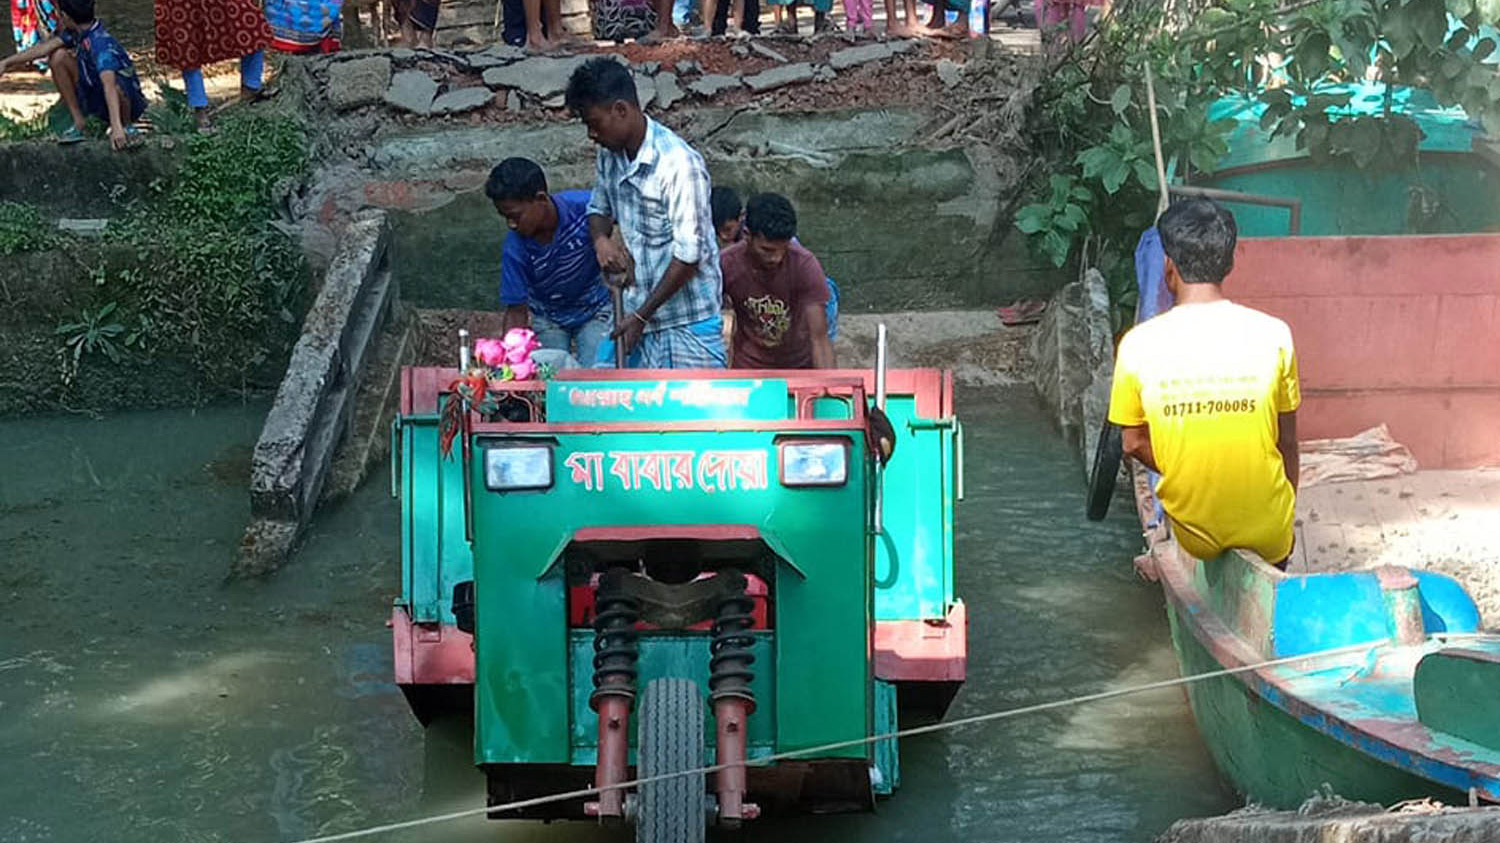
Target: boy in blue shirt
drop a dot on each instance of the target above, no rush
(549, 273)
(93, 73)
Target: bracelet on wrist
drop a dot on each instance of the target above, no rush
(644, 320)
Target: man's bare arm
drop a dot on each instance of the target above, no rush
(40, 51)
(1286, 443)
(817, 329)
(1137, 443)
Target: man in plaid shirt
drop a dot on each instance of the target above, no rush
(655, 187)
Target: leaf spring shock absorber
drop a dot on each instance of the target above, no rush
(616, 651)
(734, 701)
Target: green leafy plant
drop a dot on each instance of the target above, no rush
(1058, 222)
(24, 229)
(91, 334)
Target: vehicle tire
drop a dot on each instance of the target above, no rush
(671, 740)
(1106, 471)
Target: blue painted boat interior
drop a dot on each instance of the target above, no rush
(1328, 611)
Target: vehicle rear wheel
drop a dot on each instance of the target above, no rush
(671, 740)
(1106, 470)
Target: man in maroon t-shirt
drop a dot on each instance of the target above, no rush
(778, 292)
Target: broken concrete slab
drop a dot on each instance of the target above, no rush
(503, 52)
(462, 100)
(413, 91)
(315, 401)
(83, 227)
(767, 52)
(542, 77)
(950, 72)
(358, 82)
(688, 67)
(778, 77)
(824, 73)
(512, 101)
(668, 93)
(712, 84)
(403, 55)
(645, 89)
(855, 56)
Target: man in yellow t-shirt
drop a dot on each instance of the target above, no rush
(1207, 395)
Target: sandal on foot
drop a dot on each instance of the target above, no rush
(71, 135)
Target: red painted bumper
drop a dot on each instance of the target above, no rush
(923, 651)
(431, 654)
(905, 651)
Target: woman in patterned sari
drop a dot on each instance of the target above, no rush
(192, 33)
(31, 21)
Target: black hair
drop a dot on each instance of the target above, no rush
(79, 11)
(771, 216)
(599, 82)
(725, 203)
(1199, 236)
(515, 179)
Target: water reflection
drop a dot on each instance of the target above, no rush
(180, 708)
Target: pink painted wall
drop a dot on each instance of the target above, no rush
(1400, 330)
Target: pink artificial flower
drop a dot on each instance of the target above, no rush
(490, 352)
(523, 370)
(519, 343)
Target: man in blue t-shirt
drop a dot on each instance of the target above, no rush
(549, 274)
(93, 73)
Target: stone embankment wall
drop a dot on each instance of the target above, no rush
(1073, 361)
(900, 220)
(1332, 820)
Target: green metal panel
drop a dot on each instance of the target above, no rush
(672, 655)
(1242, 596)
(435, 553)
(822, 644)
(887, 753)
(618, 401)
(914, 556)
(1450, 687)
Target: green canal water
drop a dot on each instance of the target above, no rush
(143, 699)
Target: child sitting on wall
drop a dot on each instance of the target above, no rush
(93, 73)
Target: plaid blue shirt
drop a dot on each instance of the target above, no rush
(660, 202)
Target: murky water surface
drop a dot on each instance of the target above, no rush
(142, 699)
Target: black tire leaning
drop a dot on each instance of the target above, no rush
(1106, 471)
(671, 740)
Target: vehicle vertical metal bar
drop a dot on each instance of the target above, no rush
(463, 350)
(880, 367)
(614, 754)
(733, 722)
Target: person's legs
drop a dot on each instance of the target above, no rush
(711, 10)
(252, 75)
(665, 28)
(535, 40)
(63, 66)
(552, 22)
(591, 334)
(550, 334)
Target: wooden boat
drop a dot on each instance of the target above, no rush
(1416, 714)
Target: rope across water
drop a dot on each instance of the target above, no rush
(1307, 660)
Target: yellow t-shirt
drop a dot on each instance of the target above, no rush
(1209, 380)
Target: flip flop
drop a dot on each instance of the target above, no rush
(70, 136)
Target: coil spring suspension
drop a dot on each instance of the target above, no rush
(729, 668)
(616, 647)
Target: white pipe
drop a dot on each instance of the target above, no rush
(463, 349)
(880, 363)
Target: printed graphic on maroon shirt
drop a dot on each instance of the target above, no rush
(770, 330)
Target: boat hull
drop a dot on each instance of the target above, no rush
(1269, 755)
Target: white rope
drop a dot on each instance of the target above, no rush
(905, 733)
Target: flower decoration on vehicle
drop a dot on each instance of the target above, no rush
(495, 361)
